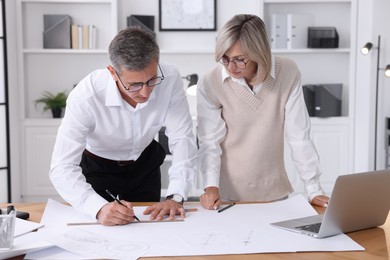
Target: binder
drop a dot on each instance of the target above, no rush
(278, 31)
(297, 30)
(80, 36)
(56, 32)
(92, 36)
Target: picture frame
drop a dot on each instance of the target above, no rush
(187, 15)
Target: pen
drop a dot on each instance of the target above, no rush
(10, 208)
(225, 208)
(112, 195)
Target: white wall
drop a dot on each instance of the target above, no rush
(14, 105)
(373, 21)
(381, 27)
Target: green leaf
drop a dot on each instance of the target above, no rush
(52, 101)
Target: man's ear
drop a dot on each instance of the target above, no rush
(112, 72)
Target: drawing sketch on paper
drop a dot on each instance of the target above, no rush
(90, 244)
(218, 239)
(204, 240)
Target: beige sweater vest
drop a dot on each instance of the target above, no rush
(252, 160)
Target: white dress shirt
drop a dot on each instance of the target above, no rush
(297, 136)
(98, 119)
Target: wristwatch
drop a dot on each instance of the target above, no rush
(176, 197)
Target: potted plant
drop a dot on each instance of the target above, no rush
(56, 103)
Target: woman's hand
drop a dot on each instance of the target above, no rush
(210, 199)
(320, 200)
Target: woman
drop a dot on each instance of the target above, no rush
(248, 105)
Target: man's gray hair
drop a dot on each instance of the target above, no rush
(133, 49)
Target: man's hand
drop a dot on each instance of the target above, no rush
(115, 214)
(210, 199)
(169, 207)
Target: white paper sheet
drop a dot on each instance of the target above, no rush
(24, 244)
(24, 226)
(242, 229)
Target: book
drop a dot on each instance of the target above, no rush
(85, 36)
(56, 32)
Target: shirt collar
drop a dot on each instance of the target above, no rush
(113, 96)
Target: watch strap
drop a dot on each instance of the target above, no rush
(171, 197)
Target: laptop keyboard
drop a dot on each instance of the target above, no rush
(315, 228)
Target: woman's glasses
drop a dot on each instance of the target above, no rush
(241, 64)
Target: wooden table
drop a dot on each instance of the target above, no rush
(376, 241)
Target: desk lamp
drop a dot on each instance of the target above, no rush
(193, 80)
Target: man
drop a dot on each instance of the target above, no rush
(106, 138)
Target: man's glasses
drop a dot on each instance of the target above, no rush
(137, 86)
(241, 64)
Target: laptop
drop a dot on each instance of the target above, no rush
(358, 201)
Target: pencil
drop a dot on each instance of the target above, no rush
(115, 198)
(225, 208)
(191, 210)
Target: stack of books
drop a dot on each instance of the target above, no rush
(60, 33)
(83, 36)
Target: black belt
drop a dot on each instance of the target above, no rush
(119, 163)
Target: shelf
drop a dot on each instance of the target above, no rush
(337, 120)
(65, 51)
(313, 51)
(307, 50)
(68, 1)
(42, 121)
(190, 52)
(304, 1)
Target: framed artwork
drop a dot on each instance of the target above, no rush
(187, 15)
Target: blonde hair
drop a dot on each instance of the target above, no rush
(250, 32)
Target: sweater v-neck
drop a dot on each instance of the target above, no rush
(253, 101)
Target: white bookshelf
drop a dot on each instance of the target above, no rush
(41, 69)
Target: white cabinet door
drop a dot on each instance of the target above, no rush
(39, 147)
(332, 144)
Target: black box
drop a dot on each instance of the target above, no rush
(328, 100)
(323, 100)
(309, 95)
(322, 37)
(56, 33)
(146, 22)
(163, 140)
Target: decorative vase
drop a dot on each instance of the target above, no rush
(57, 112)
